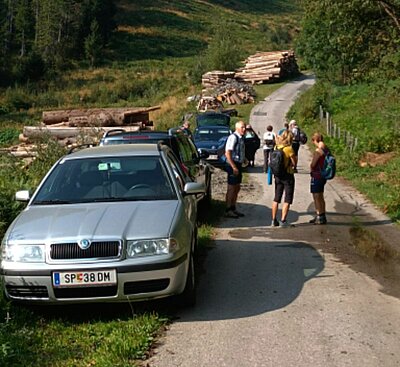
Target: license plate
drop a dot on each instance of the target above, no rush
(213, 157)
(85, 278)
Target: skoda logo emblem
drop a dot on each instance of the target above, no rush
(84, 244)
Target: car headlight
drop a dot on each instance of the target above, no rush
(151, 247)
(23, 253)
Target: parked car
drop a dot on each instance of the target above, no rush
(110, 223)
(210, 139)
(192, 160)
(213, 118)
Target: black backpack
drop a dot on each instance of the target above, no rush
(277, 162)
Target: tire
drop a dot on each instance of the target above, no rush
(188, 297)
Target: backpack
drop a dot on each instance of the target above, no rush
(269, 139)
(222, 148)
(328, 170)
(303, 138)
(277, 162)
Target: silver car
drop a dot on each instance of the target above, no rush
(111, 223)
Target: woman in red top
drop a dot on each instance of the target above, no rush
(317, 181)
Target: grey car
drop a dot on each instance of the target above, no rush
(111, 223)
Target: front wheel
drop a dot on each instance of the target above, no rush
(188, 297)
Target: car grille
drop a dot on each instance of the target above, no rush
(85, 292)
(27, 291)
(145, 286)
(66, 251)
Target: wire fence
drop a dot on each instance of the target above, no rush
(336, 132)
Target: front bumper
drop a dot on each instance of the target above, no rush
(134, 282)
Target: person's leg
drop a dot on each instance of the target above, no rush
(274, 208)
(265, 165)
(277, 200)
(285, 211)
(289, 184)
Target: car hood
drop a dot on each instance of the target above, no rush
(139, 219)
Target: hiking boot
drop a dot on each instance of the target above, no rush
(239, 214)
(284, 224)
(231, 214)
(274, 223)
(318, 219)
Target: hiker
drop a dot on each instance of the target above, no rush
(284, 181)
(317, 181)
(252, 143)
(296, 136)
(235, 155)
(269, 138)
(285, 128)
(186, 129)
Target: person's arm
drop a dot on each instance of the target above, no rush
(230, 161)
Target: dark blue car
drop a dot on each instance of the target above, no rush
(209, 139)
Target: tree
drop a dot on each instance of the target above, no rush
(343, 40)
(93, 44)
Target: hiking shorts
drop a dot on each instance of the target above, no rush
(232, 179)
(284, 185)
(317, 185)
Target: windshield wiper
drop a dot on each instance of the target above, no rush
(51, 202)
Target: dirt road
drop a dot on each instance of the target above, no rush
(296, 296)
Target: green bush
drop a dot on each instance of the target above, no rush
(8, 136)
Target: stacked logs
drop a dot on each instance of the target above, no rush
(235, 87)
(214, 78)
(74, 127)
(265, 67)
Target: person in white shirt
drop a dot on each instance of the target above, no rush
(269, 139)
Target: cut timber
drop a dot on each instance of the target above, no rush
(100, 116)
(68, 132)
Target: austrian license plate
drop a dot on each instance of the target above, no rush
(84, 278)
(213, 157)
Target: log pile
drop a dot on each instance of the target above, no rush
(71, 128)
(87, 125)
(214, 78)
(264, 67)
(230, 91)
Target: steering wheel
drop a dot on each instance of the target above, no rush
(140, 186)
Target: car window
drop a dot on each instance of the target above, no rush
(185, 149)
(180, 175)
(106, 179)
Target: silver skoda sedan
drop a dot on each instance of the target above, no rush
(111, 223)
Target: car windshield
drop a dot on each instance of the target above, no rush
(211, 119)
(205, 134)
(106, 180)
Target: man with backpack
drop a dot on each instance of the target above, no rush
(235, 156)
(319, 177)
(283, 162)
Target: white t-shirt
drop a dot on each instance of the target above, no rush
(231, 145)
(268, 136)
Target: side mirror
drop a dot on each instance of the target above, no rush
(22, 195)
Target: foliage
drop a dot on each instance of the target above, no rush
(43, 35)
(346, 40)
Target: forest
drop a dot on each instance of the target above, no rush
(43, 37)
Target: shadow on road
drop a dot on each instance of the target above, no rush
(248, 278)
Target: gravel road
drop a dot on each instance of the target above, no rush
(297, 296)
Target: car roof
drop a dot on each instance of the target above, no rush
(116, 150)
